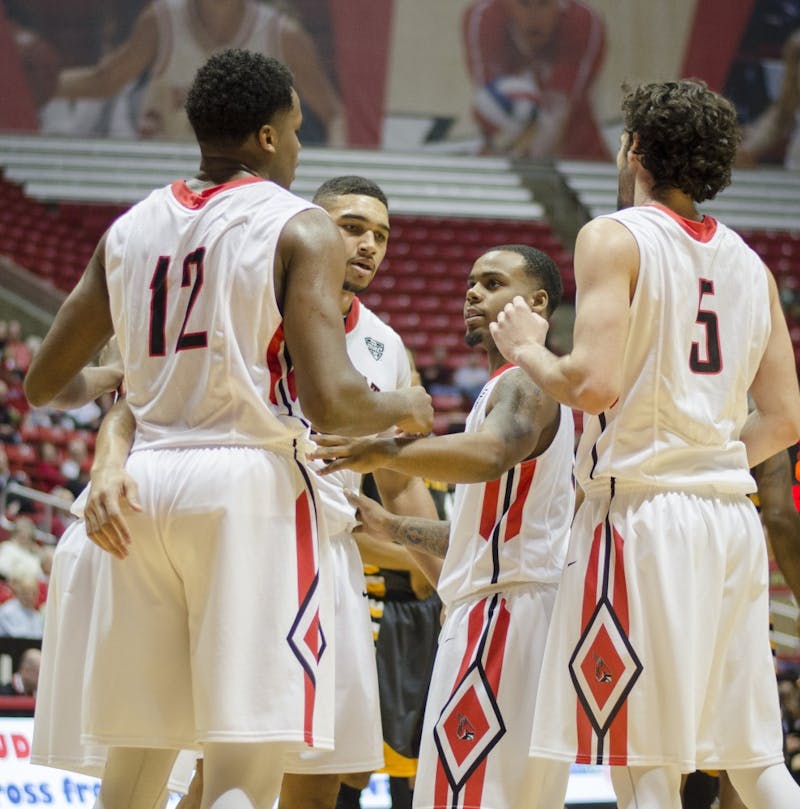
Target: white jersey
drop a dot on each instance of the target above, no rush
(699, 324)
(377, 352)
(183, 47)
(513, 530)
(195, 313)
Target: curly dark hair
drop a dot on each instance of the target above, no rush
(235, 93)
(540, 268)
(349, 184)
(688, 135)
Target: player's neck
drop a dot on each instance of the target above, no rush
(678, 202)
(346, 302)
(496, 359)
(216, 170)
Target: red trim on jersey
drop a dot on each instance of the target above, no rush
(527, 470)
(491, 494)
(279, 368)
(306, 572)
(501, 369)
(700, 231)
(351, 321)
(197, 199)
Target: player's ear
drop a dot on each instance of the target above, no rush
(538, 301)
(267, 137)
(634, 152)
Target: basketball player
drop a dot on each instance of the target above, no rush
(171, 39)
(236, 275)
(503, 551)
(312, 780)
(662, 614)
(359, 208)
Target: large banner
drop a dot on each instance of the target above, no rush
(535, 80)
(25, 784)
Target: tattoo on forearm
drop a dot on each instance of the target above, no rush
(424, 535)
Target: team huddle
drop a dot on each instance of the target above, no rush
(214, 585)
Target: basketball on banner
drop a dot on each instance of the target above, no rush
(506, 107)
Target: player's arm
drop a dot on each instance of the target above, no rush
(780, 517)
(88, 385)
(312, 83)
(589, 378)
(113, 491)
(80, 329)
(428, 536)
(334, 396)
(520, 422)
(774, 424)
(410, 497)
(122, 65)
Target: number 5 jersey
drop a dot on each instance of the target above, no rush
(699, 323)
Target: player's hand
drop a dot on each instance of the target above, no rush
(374, 521)
(359, 454)
(419, 420)
(113, 493)
(517, 328)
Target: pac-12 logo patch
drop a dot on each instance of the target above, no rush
(375, 347)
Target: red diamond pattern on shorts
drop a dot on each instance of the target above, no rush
(469, 726)
(604, 666)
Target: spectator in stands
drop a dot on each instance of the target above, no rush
(75, 466)
(437, 377)
(25, 679)
(172, 38)
(46, 472)
(19, 554)
(775, 134)
(470, 377)
(555, 49)
(790, 711)
(10, 418)
(85, 417)
(5, 470)
(16, 353)
(20, 616)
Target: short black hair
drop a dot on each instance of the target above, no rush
(541, 268)
(688, 135)
(349, 184)
(235, 93)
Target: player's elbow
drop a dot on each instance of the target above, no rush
(325, 418)
(780, 521)
(596, 395)
(37, 390)
(786, 429)
(327, 411)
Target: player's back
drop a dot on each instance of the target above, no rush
(699, 322)
(191, 283)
